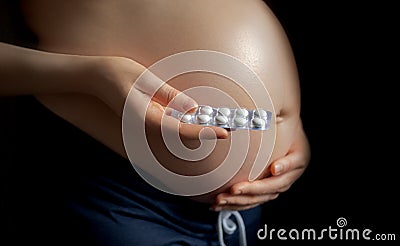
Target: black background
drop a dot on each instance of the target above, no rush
(346, 60)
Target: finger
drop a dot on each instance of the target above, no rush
(298, 155)
(234, 208)
(293, 160)
(154, 119)
(173, 98)
(191, 131)
(163, 93)
(269, 185)
(241, 202)
(168, 96)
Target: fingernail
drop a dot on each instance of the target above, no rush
(237, 192)
(224, 134)
(217, 209)
(278, 168)
(207, 133)
(189, 104)
(222, 202)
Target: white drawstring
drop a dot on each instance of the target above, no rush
(225, 224)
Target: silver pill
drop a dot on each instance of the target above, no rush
(260, 113)
(203, 118)
(258, 122)
(239, 121)
(221, 120)
(206, 110)
(186, 118)
(224, 111)
(242, 112)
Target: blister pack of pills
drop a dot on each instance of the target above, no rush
(230, 118)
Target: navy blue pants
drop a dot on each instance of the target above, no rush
(121, 209)
(65, 188)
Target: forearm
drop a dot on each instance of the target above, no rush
(26, 71)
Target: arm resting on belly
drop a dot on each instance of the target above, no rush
(26, 71)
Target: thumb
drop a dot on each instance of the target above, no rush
(173, 98)
(164, 94)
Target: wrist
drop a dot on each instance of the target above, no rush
(111, 79)
(61, 73)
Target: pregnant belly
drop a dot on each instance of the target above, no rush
(208, 166)
(246, 30)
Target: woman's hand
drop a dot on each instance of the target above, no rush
(35, 72)
(285, 171)
(117, 76)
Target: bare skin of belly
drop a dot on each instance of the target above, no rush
(147, 31)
